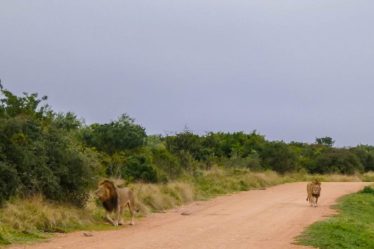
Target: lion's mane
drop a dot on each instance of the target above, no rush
(110, 196)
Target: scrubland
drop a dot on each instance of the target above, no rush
(51, 162)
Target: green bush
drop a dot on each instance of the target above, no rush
(119, 135)
(39, 154)
(252, 162)
(137, 167)
(278, 156)
(368, 190)
(8, 181)
(166, 161)
(337, 161)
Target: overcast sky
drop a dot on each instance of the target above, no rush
(292, 70)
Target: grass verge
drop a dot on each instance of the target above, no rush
(352, 228)
(33, 219)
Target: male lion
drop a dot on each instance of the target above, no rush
(314, 191)
(115, 200)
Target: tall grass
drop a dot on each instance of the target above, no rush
(218, 181)
(34, 218)
(155, 197)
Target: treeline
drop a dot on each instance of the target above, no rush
(57, 155)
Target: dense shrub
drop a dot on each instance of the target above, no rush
(166, 161)
(39, 155)
(185, 141)
(366, 156)
(116, 136)
(368, 190)
(252, 161)
(279, 157)
(137, 167)
(8, 181)
(337, 161)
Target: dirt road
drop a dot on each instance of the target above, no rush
(268, 219)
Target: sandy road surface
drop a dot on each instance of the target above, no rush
(268, 219)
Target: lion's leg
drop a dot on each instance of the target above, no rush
(308, 196)
(121, 222)
(107, 216)
(131, 208)
(316, 201)
(307, 193)
(118, 215)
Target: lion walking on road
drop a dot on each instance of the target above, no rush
(116, 199)
(314, 191)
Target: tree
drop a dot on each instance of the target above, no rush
(38, 155)
(279, 157)
(138, 167)
(185, 141)
(119, 135)
(365, 154)
(337, 161)
(67, 121)
(28, 104)
(8, 181)
(327, 141)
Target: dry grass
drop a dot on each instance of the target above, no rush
(34, 218)
(36, 214)
(218, 181)
(155, 197)
(342, 178)
(368, 177)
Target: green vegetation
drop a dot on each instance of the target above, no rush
(352, 228)
(54, 160)
(39, 153)
(58, 156)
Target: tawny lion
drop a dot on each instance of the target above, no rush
(314, 191)
(115, 200)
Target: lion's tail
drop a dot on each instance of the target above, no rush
(133, 200)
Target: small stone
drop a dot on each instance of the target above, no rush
(87, 234)
(186, 213)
